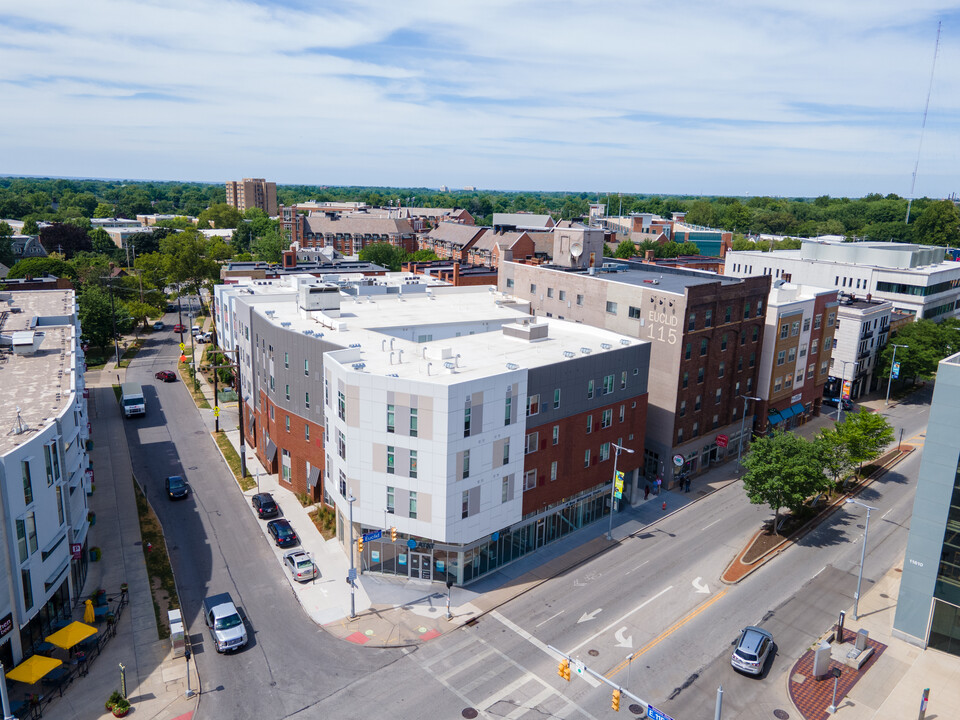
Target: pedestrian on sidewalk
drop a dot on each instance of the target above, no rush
(646, 491)
(659, 483)
(686, 484)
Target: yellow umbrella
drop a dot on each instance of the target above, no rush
(33, 668)
(70, 635)
(88, 613)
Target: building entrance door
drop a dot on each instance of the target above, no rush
(420, 565)
(541, 525)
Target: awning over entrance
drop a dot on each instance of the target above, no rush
(314, 477)
(798, 408)
(72, 634)
(271, 450)
(786, 413)
(774, 418)
(33, 669)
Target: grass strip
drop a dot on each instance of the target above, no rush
(130, 353)
(155, 555)
(193, 386)
(233, 460)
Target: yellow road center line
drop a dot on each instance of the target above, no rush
(668, 632)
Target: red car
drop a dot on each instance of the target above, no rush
(166, 376)
(178, 328)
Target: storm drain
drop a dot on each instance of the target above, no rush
(469, 713)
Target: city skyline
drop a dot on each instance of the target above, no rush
(634, 98)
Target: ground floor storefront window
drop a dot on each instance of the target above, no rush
(945, 628)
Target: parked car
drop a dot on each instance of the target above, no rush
(300, 564)
(282, 533)
(196, 330)
(176, 487)
(204, 337)
(158, 325)
(752, 651)
(171, 307)
(166, 376)
(834, 401)
(179, 328)
(265, 505)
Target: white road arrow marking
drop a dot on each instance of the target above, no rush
(589, 616)
(622, 640)
(700, 587)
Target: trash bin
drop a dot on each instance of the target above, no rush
(178, 637)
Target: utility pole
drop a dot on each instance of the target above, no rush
(617, 449)
(113, 320)
(352, 577)
(743, 419)
(893, 362)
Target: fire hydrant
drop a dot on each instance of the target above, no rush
(664, 504)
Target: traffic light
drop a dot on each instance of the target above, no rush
(360, 545)
(563, 670)
(393, 534)
(615, 703)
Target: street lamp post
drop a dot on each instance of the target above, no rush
(843, 374)
(617, 449)
(893, 361)
(863, 554)
(743, 419)
(353, 570)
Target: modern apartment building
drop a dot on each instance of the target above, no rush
(801, 323)
(928, 607)
(863, 327)
(44, 467)
(706, 333)
(252, 193)
(477, 431)
(914, 278)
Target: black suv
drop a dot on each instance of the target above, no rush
(265, 505)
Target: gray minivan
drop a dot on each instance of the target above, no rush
(753, 647)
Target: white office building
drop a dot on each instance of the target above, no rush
(43, 466)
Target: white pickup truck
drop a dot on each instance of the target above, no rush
(224, 621)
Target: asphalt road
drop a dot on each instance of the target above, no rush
(289, 665)
(657, 595)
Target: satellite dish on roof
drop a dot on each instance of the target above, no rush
(576, 249)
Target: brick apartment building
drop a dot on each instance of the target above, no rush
(348, 234)
(252, 193)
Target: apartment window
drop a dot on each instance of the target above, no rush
(306, 432)
(509, 282)
(31, 522)
(696, 430)
(831, 318)
(286, 360)
(788, 382)
(27, 588)
(703, 347)
(717, 396)
(716, 421)
(749, 384)
(579, 299)
(27, 483)
(756, 333)
(623, 380)
(817, 321)
(791, 354)
(414, 422)
(622, 412)
(464, 504)
(326, 392)
(633, 312)
(803, 350)
(589, 424)
(553, 471)
(341, 445)
(784, 330)
(696, 403)
(271, 413)
(723, 341)
(532, 442)
(604, 452)
(589, 389)
(341, 405)
(506, 452)
(286, 392)
(708, 318)
(795, 328)
(563, 295)
(823, 367)
(556, 398)
(728, 315)
(781, 357)
(466, 464)
(391, 418)
(810, 368)
(466, 422)
(743, 338)
(391, 497)
(529, 480)
(607, 384)
(746, 310)
(285, 466)
(533, 288)
(533, 404)
(806, 324)
(413, 463)
(22, 539)
(343, 484)
(679, 436)
(700, 373)
(721, 369)
(739, 363)
(611, 307)
(686, 380)
(586, 459)
(60, 504)
(556, 434)
(287, 423)
(48, 463)
(549, 292)
(306, 368)
(507, 410)
(391, 459)
(306, 400)
(413, 505)
(505, 489)
(606, 418)
(692, 321)
(683, 408)
(686, 351)
(777, 384)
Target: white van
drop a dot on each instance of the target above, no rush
(131, 399)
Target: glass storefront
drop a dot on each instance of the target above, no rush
(424, 559)
(41, 625)
(945, 628)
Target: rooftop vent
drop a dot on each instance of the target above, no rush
(624, 341)
(606, 346)
(586, 350)
(568, 353)
(512, 366)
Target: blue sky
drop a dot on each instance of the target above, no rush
(734, 98)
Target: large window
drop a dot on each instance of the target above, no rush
(391, 497)
(533, 404)
(391, 418)
(529, 480)
(413, 463)
(391, 459)
(606, 418)
(466, 464)
(466, 422)
(341, 405)
(607, 384)
(27, 482)
(507, 410)
(533, 440)
(413, 505)
(413, 422)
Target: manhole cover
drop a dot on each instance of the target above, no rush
(898, 569)
(368, 633)
(636, 709)
(884, 596)
(593, 653)
(469, 713)
(781, 715)
(421, 630)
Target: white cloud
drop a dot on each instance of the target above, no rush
(640, 96)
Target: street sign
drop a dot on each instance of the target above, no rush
(655, 714)
(351, 574)
(182, 347)
(620, 477)
(847, 387)
(578, 667)
(895, 371)
(370, 536)
(722, 440)
(216, 411)
(678, 460)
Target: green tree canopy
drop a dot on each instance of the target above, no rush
(864, 435)
(421, 256)
(927, 343)
(625, 250)
(270, 247)
(40, 266)
(193, 258)
(939, 224)
(65, 238)
(383, 254)
(103, 210)
(221, 216)
(97, 318)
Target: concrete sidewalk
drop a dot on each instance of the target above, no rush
(155, 681)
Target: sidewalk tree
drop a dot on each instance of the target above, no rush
(864, 434)
(836, 457)
(96, 318)
(783, 470)
(140, 312)
(193, 259)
